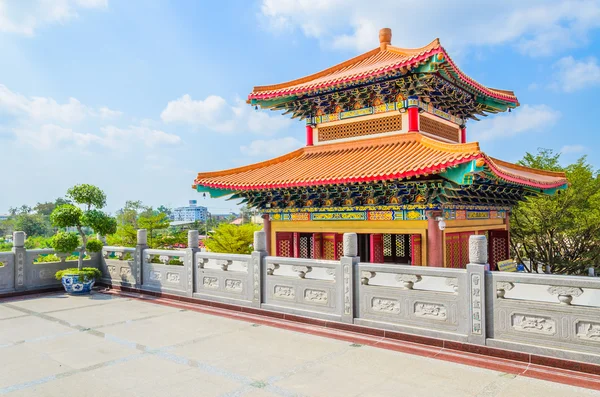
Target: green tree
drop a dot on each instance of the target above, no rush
(31, 224)
(560, 231)
(69, 215)
(44, 208)
(232, 239)
(153, 222)
(165, 210)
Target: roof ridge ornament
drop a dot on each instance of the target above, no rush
(385, 38)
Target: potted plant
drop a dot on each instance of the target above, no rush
(81, 280)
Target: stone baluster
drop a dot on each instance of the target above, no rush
(350, 274)
(565, 294)
(475, 298)
(20, 257)
(190, 260)
(142, 245)
(408, 280)
(258, 266)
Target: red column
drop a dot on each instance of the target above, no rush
(267, 229)
(463, 134)
(309, 135)
(435, 241)
(413, 114)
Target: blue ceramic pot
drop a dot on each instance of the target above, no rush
(74, 285)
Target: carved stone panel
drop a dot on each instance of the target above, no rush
(173, 277)
(533, 324)
(433, 311)
(385, 305)
(233, 285)
(125, 272)
(210, 282)
(46, 274)
(284, 291)
(155, 276)
(588, 330)
(315, 295)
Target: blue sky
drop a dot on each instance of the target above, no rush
(137, 96)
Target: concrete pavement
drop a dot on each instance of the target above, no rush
(59, 345)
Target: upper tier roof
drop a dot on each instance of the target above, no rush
(377, 62)
(378, 159)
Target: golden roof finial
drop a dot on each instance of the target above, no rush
(385, 38)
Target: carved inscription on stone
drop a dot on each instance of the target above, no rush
(385, 305)
(210, 282)
(173, 277)
(588, 330)
(430, 310)
(476, 303)
(234, 285)
(315, 295)
(533, 324)
(155, 276)
(347, 289)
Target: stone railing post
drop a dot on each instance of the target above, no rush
(20, 257)
(99, 255)
(190, 260)
(257, 263)
(142, 244)
(478, 256)
(349, 263)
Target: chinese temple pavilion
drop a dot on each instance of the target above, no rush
(387, 157)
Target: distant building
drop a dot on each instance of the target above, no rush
(191, 213)
(4, 217)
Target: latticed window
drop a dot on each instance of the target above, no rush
(387, 245)
(438, 128)
(359, 128)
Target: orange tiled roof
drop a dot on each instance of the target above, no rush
(384, 158)
(372, 63)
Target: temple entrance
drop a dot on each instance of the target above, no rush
(374, 248)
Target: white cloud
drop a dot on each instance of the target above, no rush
(24, 17)
(536, 27)
(217, 114)
(107, 113)
(48, 109)
(44, 123)
(51, 136)
(120, 137)
(272, 147)
(568, 149)
(573, 75)
(525, 119)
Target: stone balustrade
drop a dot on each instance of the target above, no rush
(536, 313)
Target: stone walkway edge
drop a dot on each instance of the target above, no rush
(516, 363)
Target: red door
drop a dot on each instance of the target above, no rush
(284, 244)
(317, 245)
(457, 249)
(376, 246)
(498, 247)
(415, 249)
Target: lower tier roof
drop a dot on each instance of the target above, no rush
(378, 159)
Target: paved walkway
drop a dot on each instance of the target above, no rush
(100, 345)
